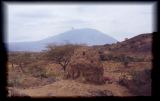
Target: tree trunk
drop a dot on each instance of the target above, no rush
(64, 68)
(12, 65)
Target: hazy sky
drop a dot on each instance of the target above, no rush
(31, 22)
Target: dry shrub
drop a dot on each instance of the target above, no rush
(85, 66)
(14, 76)
(21, 80)
(15, 79)
(37, 69)
(140, 85)
(35, 75)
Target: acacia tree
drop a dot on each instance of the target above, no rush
(61, 54)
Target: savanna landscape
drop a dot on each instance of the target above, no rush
(96, 49)
(74, 70)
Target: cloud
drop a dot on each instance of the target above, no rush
(31, 22)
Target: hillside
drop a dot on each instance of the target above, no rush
(138, 45)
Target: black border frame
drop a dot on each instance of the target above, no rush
(4, 57)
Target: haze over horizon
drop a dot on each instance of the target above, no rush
(33, 22)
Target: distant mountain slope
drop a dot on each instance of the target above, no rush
(84, 36)
(76, 36)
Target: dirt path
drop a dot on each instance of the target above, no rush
(73, 88)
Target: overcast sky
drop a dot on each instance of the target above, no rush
(31, 22)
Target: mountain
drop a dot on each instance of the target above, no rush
(77, 36)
